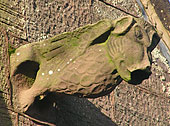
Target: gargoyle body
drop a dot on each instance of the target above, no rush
(87, 62)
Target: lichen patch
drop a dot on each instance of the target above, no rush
(18, 53)
(50, 72)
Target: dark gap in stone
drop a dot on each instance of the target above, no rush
(102, 38)
(28, 68)
(138, 76)
(155, 41)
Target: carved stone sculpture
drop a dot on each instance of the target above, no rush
(87, 62)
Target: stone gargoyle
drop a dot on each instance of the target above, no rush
(87, 62)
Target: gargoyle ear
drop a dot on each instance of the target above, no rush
(122, 70)
(122, 25)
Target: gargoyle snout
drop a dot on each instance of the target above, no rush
(143, 72)
(146, 64)
(138, 76)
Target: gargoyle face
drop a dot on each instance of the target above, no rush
(130, 46)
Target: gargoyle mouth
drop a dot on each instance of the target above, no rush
(28, 68)
(138, 76)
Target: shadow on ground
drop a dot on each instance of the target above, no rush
(5, 119)
(65, 110)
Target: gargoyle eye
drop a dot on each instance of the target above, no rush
(138, 33)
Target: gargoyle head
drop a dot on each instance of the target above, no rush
(130, 45)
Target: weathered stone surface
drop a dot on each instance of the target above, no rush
(162, 9)
(11, 35)
(116, 41)
(157, 20)
(49, 21)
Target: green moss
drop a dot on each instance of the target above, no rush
(11, 50)
(122, 22)
(110, 60)
(30, 81)
(74, 42)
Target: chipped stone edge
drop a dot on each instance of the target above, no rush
(153, 17)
